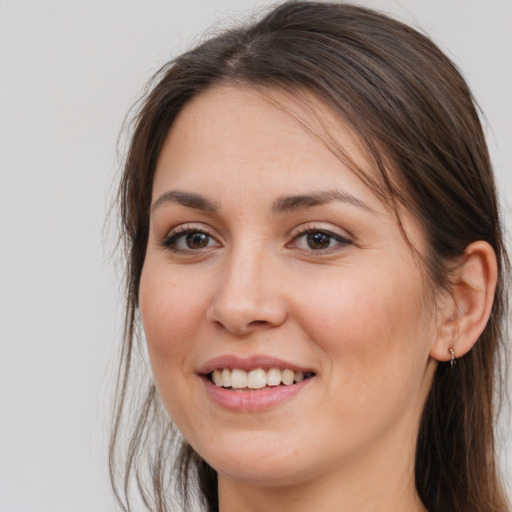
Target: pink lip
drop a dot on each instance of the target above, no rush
(252, 401)
(253, 362)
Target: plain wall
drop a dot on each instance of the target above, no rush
(69, 71)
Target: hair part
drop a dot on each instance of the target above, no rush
(417, 120)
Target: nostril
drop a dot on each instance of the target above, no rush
(248, 312)
(258, 322)
(243, 328)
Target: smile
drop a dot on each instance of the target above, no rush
(256, 383)
(238, 379)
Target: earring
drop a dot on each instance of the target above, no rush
(452, 354)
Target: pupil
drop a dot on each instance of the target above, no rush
(197, 240)
(318, 240)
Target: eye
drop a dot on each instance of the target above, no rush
(189, 240)
(319, 240)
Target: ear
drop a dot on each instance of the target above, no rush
(464, 316)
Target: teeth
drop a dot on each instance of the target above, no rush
(217, 378)
(288, 377)
(274, 377)
(226, 378)
(256, 379)
(238, 379)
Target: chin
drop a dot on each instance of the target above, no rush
(261, 473)
(256, 459)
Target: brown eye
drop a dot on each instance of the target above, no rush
(318, 241)
(197, 240)
(189, 240)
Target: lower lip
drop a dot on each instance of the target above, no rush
(255, 400)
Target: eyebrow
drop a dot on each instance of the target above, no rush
(187, 199)
(302, 201)
(282, 204)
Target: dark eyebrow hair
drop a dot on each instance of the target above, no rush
(281, 205)
(188, 199)
(302, 201)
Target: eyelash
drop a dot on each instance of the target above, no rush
(313, 230)
(171, 241)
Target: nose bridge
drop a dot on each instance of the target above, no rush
(247, 295)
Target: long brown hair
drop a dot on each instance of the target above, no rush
(417, 119)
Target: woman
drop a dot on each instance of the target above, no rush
(315, 255)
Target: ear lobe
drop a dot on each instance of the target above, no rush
(465, 316)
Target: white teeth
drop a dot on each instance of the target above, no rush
(256, 379)
(217, 378)
(238, 379)
(288, 377)
(274, 377)
(226, 378)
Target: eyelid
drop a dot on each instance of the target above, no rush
(184, 229)
(342, 239)
(320, 226)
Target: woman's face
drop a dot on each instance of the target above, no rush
(267, 254)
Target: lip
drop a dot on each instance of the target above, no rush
(254, 400)
(252, 362)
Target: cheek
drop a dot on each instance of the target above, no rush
(364, 312)
(171, 314)
(372, 339)
(170, 311)
(369, 328)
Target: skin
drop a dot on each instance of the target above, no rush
(356, 313)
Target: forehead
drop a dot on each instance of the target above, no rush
(259, 131)
(243, 148)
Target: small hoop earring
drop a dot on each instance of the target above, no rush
(452, 353)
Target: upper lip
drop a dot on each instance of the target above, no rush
(253, 362)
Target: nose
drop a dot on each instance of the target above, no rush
(248, 295)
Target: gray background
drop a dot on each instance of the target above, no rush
(69, 71)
